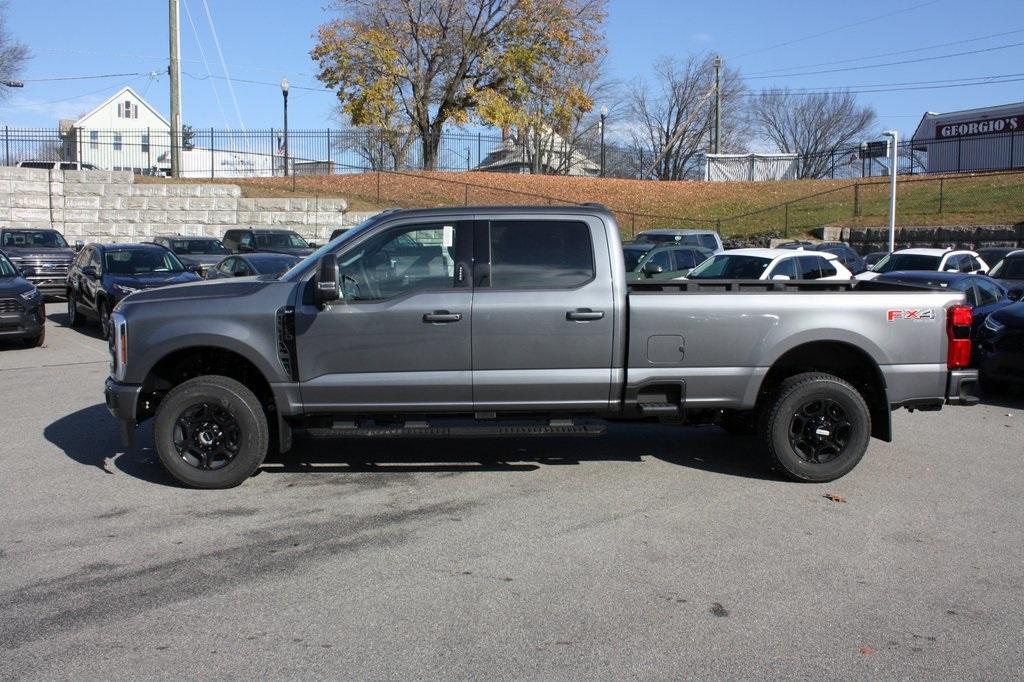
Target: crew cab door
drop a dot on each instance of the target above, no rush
(400, 337)
(543, 314)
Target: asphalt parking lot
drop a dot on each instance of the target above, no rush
(647, 553)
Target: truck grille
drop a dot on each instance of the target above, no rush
(44, 268)
(10, 306)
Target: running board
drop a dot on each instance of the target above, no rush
(425, 430)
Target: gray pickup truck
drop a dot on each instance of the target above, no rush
(519, 321)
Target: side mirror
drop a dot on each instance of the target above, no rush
(79, 245)
(193, 267)
(313, 245)
(652, 269)
(1015, 294)
(327, 280)
(90, 271)
(781, 277)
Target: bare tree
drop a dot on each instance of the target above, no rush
(673, 119)
(13, 54)
(816, 126)
(379, 147)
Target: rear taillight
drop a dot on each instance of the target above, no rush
(958, 331)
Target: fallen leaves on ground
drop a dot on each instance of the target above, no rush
(834, 497)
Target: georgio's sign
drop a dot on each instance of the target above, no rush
(985, 126)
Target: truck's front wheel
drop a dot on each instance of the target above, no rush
(816, 427)
(211, 432)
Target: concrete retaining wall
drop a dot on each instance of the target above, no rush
(868, 239)
(110, 206)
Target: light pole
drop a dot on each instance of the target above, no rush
(604, 116)
(284, 93)
(893, 163)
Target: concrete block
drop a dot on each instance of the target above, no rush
(119, 215)
(197, 216)
(246, 204)
(335, 219)
(177, 217)
(223, 217)
(30, 201)
(201, 203)
(119, 189)
(73, 202)
(133, 202)
(75, 177)
(110, 202)
(184, 190)
(286, 218)
(335, 204)
(9, 173)
(173, 203)
(225, 203)
(31, 175)
(24, 215)
(149, 190)
(77, 230)
(29, 187)
(271, 204)
(151, 216)
(85, 189)
(219, 190)
(81, 215)
(300, 204)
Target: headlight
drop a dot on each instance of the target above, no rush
(993, 325)
(30, 295)
(119, 346)
(123, 290)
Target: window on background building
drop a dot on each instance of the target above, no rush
(94, 139)
(117, 142)
(145, 143)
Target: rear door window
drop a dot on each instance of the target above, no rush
(785, 267)
(988, 292)
(810, 267)
(540, 254)
(826, 268)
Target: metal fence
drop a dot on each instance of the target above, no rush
(212, 153)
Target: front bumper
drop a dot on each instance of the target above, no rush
(962, 387)
(23, 325)
(123, 401)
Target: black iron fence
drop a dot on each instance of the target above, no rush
(212, 153)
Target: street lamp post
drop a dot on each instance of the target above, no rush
(604, 116)
(893, 168)
(284, 92)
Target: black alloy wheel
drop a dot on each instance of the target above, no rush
(207, 436)
(819, 430)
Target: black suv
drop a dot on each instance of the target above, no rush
(22, 314)
(199, 254)
(103, 274)
(267, 239)
(42, 255)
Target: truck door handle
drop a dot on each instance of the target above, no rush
(441, 317)
(584, 315)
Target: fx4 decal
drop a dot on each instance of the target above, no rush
(915, 314)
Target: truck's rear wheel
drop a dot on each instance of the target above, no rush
(211, 432)
(816, 427)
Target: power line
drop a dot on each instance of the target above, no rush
(887, 54)
(206, 64)
(81, 78)
(836, 29)
(901, 87)
(896, 63)
(223, 64)
(73, 97)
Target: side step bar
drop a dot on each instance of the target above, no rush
(421, 429)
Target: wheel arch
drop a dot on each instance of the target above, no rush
(844, 360)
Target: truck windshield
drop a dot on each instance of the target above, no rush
(6, 269)
(283, 240)
(907, 261)
(47, 239)
(197, 247)
(141, 262)
(725, 266)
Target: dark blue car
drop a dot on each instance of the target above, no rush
(1000, 350)
(984, 295)
(103, 274)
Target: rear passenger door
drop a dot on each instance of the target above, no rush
(543, 314)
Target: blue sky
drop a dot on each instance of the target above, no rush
(263, 41)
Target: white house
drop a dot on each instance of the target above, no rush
(123, 133)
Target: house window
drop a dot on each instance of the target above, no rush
(117, 142)
(127, 110)
(145, 143)
(94, 139)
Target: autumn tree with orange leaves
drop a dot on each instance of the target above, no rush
(424, 64)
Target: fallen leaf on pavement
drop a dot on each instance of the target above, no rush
(834, 497)
(867, 650)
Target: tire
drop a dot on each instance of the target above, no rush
(74, 317)
(187, 425)
(105, 320)
(816, 427)
(738, 423)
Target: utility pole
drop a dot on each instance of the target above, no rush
(174, 70)
(717, 147)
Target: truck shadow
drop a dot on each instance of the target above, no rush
(91, 438)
